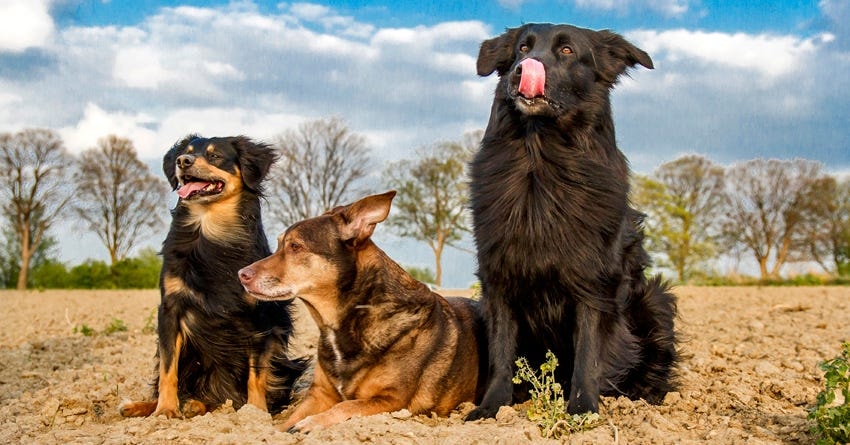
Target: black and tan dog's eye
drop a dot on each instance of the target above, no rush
(524, 48)
(214, 156)
(566, 50)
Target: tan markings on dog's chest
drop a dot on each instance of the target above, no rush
(218, 221)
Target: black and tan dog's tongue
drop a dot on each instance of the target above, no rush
(190, 187)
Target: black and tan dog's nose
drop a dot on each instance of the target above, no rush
(185, 161)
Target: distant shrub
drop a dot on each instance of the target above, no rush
(422, 274)
(91, 274)
(139, 272)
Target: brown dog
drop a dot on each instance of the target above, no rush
(386, 341)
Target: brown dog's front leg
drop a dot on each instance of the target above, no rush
(346, 410)
(320, 397)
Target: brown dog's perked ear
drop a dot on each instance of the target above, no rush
(497, 54)
(620, 55)
(362, 216)
(170, 158)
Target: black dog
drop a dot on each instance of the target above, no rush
(215, 342)
(560, 253)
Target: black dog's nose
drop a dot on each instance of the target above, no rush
(184, 161)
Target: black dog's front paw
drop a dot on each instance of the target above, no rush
(482, 412)
(581, 404)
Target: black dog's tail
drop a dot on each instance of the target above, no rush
(652, 312)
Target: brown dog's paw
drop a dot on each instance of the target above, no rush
(193, 408)
(137, 409)
(305, 426)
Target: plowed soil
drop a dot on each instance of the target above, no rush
(749, 375)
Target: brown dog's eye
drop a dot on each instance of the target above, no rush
(524, 48)
(566, 50)
(294, 247)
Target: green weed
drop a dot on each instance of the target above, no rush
(116, 325)
(832, 418)
(84, 329)
(548, 407)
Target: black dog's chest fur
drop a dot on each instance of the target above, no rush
(550, 200)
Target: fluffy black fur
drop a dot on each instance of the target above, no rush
(560, 254)
(222, 327)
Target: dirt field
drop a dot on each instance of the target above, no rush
(749, 376)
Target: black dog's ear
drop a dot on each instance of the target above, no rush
(498, 54)
(170, 159)
(614, 55)
(255, 161)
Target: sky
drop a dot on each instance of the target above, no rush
(733, 80)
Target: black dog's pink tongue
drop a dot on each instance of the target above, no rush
(190, 187)
(533, 78)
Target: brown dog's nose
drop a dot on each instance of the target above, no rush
(246, 274)
(185, 161)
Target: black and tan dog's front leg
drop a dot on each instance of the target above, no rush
(170, 345)
(259, 369)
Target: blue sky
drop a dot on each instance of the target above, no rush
(732, 80)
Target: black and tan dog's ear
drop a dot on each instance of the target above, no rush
(362, 217)
(498, 54)
(619, 55)
(169, 161)
(255, 161)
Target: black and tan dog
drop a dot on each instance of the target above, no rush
(386, 341)
(215, 342)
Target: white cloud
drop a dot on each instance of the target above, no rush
(97, 123)
(140, 67)
(766, 55)
(668, 8)
(24, 24)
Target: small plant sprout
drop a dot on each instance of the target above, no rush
(548, 407)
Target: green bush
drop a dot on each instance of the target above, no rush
(832, 419)
(139, 272)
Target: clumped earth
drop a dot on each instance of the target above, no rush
(749, 375)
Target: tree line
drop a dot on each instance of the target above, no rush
(771, 211)
(774, 212)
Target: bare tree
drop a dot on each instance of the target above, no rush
(432, 195)
(119, 199)
(35, 192)
(825, 212)
(683, 200)
(768, 200)
(319, 167)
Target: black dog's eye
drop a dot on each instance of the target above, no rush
(524, 48)
(566, 50)
(214, 156)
